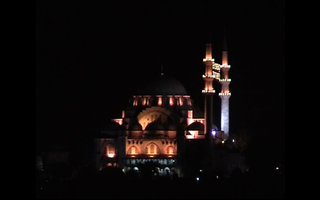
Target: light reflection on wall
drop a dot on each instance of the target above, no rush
(110, 151)
(171, 101)
(160, 101)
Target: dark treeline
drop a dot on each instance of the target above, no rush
(264, 155)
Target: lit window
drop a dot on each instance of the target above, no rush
(180, 102)
(110, 151)
(144, 102)
(171, 101)
(152, 149)
(110, 155)
(133, 150)
(159, 101)
(170, 150)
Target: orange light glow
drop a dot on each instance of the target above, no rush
(170, 150)
(133, 150)
(171, 101)
(133, 156)
(110, 151)
(151, 156)
(119, 121)
(208, 51)
(110, 155)
(123, 114)
(144, 102)
(135, 102)
(180, 101)
(148, 101)
(169, 156)
(224, 58)
(159, 101)
(190, 114)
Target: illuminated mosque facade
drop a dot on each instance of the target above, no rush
(161, 120)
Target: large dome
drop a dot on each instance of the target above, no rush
(163, 85)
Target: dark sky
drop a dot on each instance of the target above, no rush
(92, 55)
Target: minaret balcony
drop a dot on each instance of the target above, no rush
(225, 80)
(224, 66)
(222, 94)
(208, 91)
(208, 60)
(209, 76)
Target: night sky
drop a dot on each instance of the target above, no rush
(92, 55)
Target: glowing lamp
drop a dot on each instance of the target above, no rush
(110, 155)
(214, 133)
(197, 178)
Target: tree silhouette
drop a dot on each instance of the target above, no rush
(264, 153)
(192, 159)
(148, 169)
(242, 139)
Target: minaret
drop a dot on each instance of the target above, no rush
(225, 92)
(208, 91)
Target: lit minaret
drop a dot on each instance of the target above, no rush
(225, 92)
(208, 91)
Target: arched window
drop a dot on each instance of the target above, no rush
(110, 150)
(152, 149)
(171, 101)
(133, 150)
(170, 150)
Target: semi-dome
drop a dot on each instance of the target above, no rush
(155, 125)
(196, 126)
(163, 85)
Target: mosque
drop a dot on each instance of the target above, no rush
(161, 121)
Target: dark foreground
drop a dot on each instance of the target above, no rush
(241, 187)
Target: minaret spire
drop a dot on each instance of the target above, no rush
(161, 72)
(224, 47)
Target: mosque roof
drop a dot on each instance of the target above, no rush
(163, 85)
